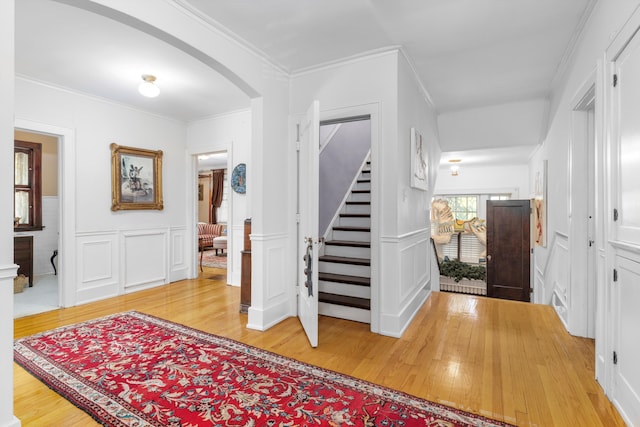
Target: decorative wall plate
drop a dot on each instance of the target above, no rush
(239, 178)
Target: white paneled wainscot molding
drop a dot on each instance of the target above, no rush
(178, 263)
(97, 267)
(407, 280)
(274, 299)
(144, 258)
(556, 276)
(120, 262)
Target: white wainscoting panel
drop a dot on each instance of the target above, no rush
(405, 284)
(97, 267)
(538, 285)
(558, 273)
(178, 262)
(144, 259)
(273, 293)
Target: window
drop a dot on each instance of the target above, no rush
(27, 183)
(467, 206)
(499, 196)
(463, 207)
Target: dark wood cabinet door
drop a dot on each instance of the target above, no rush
(508, 249)
(23, 255)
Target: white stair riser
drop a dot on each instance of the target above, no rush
(354, 221)
(362, 186)
(342, 312)
(344, 289)
(357, 209)
(359, 197)
(347, 251)
(346, 269)
(355, 236)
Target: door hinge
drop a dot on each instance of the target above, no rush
(615, 214)
(615, 80)
(615, 358)
(615, 275)
(297, 218)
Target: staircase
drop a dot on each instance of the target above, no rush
(344, 270)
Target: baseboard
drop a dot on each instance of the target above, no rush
(12, 423)
(261, 320)
(395, 325)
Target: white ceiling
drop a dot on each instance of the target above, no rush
(469, 54)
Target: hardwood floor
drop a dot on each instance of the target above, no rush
(506, 360)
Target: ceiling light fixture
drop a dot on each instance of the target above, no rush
(147, 87)
(455, 169)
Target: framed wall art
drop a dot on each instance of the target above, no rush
(540, 205)
(419, 162)
(136, 178)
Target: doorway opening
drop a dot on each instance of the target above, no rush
(582, 217)
(345, 217)
(213, 210)
(36, 251)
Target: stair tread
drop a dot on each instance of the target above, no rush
(358, 203)
(345, 260)
(364, 180)
(351, 228)
(361, 191)
(343, 278)
(354, 302)
(355, 215)
(348, 243)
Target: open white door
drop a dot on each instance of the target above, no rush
(625, 287)
(308, 239)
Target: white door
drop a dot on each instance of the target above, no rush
(626, 369)
(628, 194)
(308, 238)
(626, 289)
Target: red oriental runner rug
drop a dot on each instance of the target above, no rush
(132, 369)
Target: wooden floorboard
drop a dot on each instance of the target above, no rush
(507, 360)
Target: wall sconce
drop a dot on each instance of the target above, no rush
(147, 87)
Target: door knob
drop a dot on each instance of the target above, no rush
(488, 257)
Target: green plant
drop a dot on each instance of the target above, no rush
(459, 270)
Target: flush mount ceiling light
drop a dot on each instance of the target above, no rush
(455, 169)
(147, 87)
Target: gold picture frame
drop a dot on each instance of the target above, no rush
(136, 178)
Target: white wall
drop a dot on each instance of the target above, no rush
(363, 86)
(606, 20)
(268, 88)
(587, 67)
(111, 258)
(231, 133)
(384, 85)
(7, 267)
(503, 125)
(485, 179)
(410, 245)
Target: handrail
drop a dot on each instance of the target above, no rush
(346, 196)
